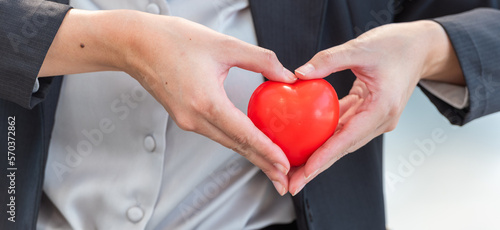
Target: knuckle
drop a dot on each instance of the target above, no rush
(270, 56)
(245, 154)
(391, 126)
(243, 144)
(230, 43)
(211, 111)
(204, 106)
(392, 119)
(326, 55)
(201, 106)
(393, 112)
(185, 122)
(392, 116)
(343, 52)
(268, 172)
(352, 144)
(330, 56)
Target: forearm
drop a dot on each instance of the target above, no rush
(89, 42)
(183, 65)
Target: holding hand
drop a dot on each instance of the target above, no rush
(388, 62)
(183, 65)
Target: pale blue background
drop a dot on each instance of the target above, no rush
(457, 186)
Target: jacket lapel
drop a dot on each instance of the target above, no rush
(290, 28)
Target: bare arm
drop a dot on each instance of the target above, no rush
(183, 65)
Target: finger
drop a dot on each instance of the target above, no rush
(297, 181)
(329, 61)
(348, 107)
(292, 171)
(238, 126)
(260, 60)
(357, 131)
(249, 141)
(274, 173)
(297, 176)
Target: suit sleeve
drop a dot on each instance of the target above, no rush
(27, 30)
(475, 38)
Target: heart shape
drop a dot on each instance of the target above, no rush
(298, 117)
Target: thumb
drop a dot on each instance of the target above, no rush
(329, 61)
(262, 61)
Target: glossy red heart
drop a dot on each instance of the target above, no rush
(298, 117)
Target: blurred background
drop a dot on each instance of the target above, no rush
(439, 176)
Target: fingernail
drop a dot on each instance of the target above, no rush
(305, 69)
(281, 168)
(279, 187)
(289, 74)
(298, 190)
(312, 174)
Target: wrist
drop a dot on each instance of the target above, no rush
(114, 35)
(138, 42)
(436, 45)
(441, 62)
(88, 41)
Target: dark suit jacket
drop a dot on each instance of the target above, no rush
(347, 196)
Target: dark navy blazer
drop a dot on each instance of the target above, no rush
(349, 195)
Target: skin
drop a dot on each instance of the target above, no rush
(388, 62)
(170, 58)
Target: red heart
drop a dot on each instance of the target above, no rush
(298, 117)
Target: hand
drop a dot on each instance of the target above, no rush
(183, 65)
(388, 62)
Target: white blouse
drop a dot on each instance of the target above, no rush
(117, 161)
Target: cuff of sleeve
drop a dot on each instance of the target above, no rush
(27, 41)
(469, 62)
(454, 95)
(474, 36)
(36, 87)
